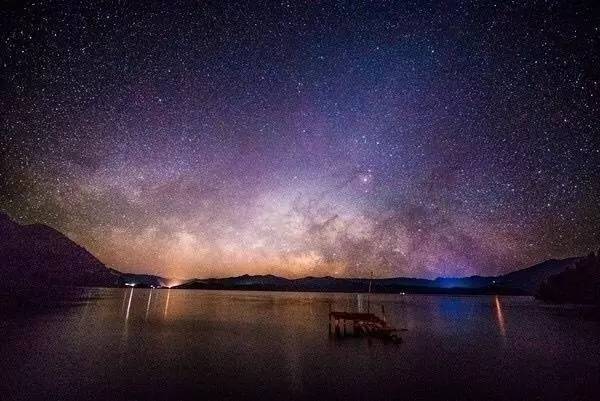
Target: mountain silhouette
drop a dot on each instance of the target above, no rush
(520, 282)
(37, 254)
(579, 284)
(529, 279)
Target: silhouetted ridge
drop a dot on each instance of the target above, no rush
(37, 254)
(520, 282)
(578, 284)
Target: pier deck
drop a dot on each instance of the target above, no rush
(363, 324)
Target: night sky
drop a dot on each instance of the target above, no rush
(198, 139)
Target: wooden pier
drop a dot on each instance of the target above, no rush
(362, 325)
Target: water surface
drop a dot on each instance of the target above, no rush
(189, 344)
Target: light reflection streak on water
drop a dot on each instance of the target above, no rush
(167, 302)
(500, 317)
(360, 302)
(148, 305)
(86, 305)
(123, 303)
(129, 305)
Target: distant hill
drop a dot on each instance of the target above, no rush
(525, 280)
(332, 284)
(142, 280)
(529, 279)
(579, 284)
(241, 282)
(521, 282)
(37, 254)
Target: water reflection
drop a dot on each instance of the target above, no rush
(129, 304)
(500, 316)
(148, 304)
(361, 302)
(167, 303)
(124, 301)
(241, 345)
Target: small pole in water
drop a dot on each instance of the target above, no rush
(383, 313)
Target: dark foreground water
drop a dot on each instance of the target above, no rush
(175, 344)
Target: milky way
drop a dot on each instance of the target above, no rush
(200, 139)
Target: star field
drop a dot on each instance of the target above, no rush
(196, 139)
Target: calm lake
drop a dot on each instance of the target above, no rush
(185, 344)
